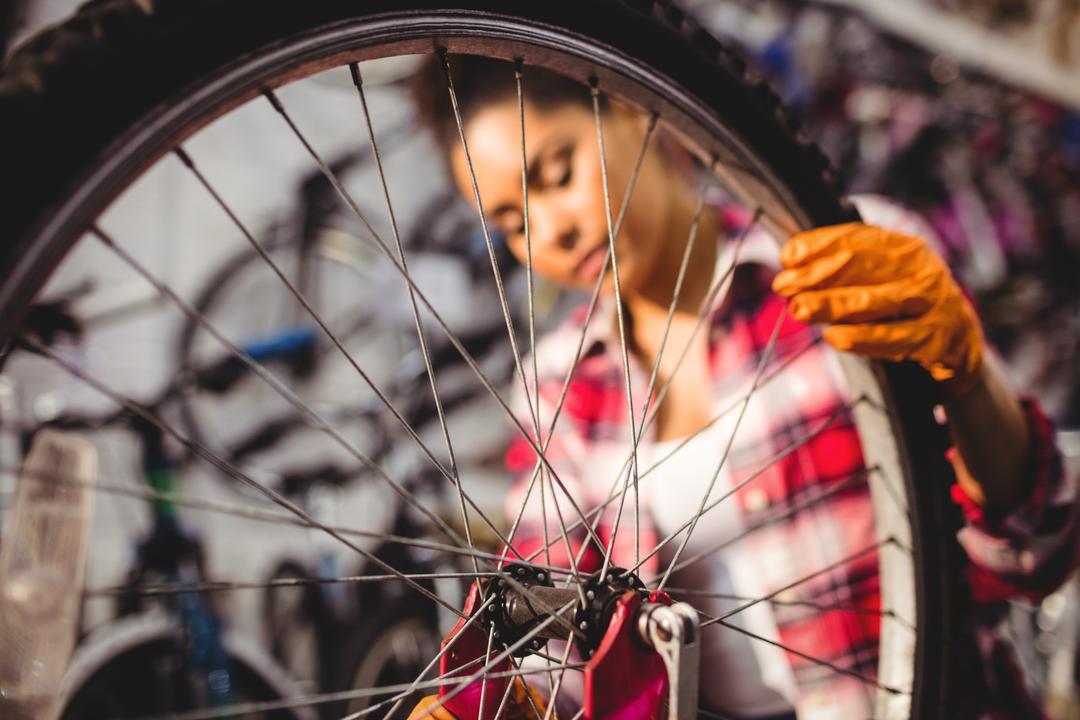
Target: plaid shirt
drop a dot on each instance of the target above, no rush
(801, 503)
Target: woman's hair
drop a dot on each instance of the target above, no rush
(479, 81)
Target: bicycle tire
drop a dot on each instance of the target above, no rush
(373, 654)
(123, 646)
(294, 618)
(119, 53)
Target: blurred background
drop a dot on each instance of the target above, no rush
(967, 111)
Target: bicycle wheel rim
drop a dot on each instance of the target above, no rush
(541, 44)
(507, 37)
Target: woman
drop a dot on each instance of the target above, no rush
(878, 289)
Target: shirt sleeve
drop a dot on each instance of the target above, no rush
(1028, 552)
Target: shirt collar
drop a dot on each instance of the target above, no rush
(758, 249)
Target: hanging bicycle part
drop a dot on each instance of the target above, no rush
(41, 569)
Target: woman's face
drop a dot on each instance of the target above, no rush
(568, 224)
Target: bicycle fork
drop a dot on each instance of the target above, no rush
(673, 633)
(642, 649)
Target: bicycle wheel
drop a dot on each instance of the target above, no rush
(293, 622)
(115, 674)
(392, 647)
(246, 301)
(117, 65)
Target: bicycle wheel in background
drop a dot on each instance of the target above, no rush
(294, 618)
(393, 647)
(246, 301)
(135, 668)
(143, 78)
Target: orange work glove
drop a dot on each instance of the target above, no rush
(422, 710)
(885, 295)
(518, 706)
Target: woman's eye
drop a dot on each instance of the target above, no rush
(558, 170)
(564, 178)
(511, 223)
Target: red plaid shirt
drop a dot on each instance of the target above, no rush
(807, 511)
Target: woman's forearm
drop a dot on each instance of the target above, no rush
(990, 433)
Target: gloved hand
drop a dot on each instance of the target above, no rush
(518, 706)
(422, 710)
(885, 295)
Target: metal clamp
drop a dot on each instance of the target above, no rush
(673, 631)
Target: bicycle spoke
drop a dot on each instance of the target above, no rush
(646, 419)
(614, 493)
(837, 414)
(226, 467)
(359, 83)
(534, 412)
(483, 672)
(505, 697)
(703, 314)
(619, 311)
(528, 695)
(529, 275)
(804, 579)
(511, 334)
(450, 335)
(559, 680)
(544, 518)
(550, 680)
(486, 231)
(598, 514)
(691, 592)
(574, 561)
(487, 658)
(251, 708)
(269, 516)
(222, 586)
(273, 381)
(332, 432)
(591, 307)
(805, 656)
(510, 686)
(543, 655)
(531, 294)
(446, 647)
(780, 367)
(565, 388)
(652, 381)
(727, 447)
(521, 513)
(590, 310)
(547, 542)
(829, 493)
